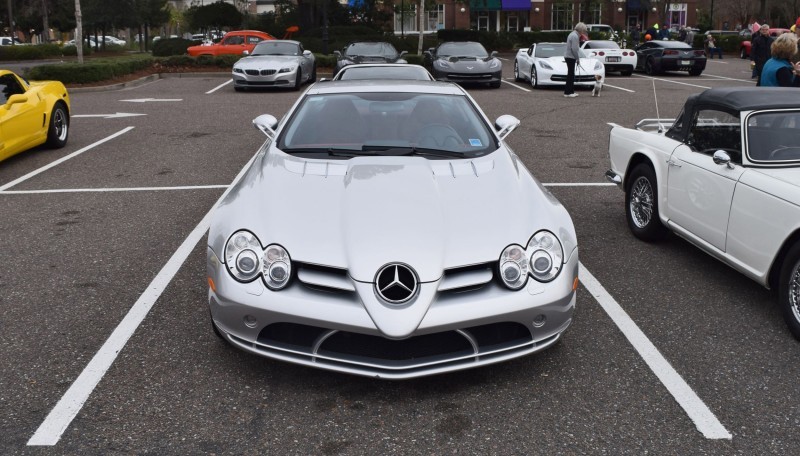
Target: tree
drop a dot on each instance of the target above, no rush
(216, 16)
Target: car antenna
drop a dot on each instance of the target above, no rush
(658, 116)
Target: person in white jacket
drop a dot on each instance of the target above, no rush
(572, 56)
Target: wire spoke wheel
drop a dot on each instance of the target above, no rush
(641, 205)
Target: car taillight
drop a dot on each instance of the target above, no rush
(602, 53)
(670, 52)
(700, 53)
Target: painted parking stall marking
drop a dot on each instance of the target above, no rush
(705, 421)
(672, 81)
(219, 86)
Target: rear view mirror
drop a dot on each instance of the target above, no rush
(505, 124)
(267, 124)
(18, 98)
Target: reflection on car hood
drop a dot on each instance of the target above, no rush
(362, 213)
(558, 63)
(469, 64)
(370, 58)
(266, 61)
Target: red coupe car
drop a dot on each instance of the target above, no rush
(236, 43)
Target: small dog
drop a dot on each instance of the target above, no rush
(598, 85)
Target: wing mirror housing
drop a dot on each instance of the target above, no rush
(505, 124)
(18, 98)
(337, 54)
(722, 158)
(267, 124)
(402, 54)
(306, 53)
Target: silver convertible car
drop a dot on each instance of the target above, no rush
(385, 229)
(275, 63)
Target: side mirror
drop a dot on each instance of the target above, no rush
(267, 124)
(505, 124)
(337, 54)
(18, 98)
(427, 54)
(402, 54)
(493, 54)
(245, 52)
(722, 158)
(306, 53)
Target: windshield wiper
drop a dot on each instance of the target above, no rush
(410, 150)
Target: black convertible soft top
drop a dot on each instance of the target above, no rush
(746, 98)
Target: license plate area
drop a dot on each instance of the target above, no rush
(613, 59)
(686, 62)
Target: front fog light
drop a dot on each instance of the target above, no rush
(277, 267)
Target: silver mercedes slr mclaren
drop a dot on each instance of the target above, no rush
(385, 229)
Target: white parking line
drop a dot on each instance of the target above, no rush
(514, 85)
(63, 159)
(723, 77)
(705, 421)
(219, 86)
(670, 80)
(103, 190)
(619, 88)
(67, 408)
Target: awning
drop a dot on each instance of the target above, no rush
(516, 5)
(485, 5)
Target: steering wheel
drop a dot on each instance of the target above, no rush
(438, 136)
(785, 153)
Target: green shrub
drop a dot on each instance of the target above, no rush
(172, 46)
(73, 50)
(28, 52)
(177, 60)
(100, 70)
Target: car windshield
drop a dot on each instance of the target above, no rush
(602, 45)
(272, 48)
(550, 50)
(371, 50)
(462, 50)
(388, 124)
(382, 72)
(774, 137)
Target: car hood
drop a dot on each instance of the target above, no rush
(559, 64)
(266, 62)
(362, 213)
(470, 64)
(370, 58)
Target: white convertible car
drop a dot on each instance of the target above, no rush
(543, 64)
(725, 175)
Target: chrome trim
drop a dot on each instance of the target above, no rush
(465, 279)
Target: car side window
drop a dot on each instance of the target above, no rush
(530, 50)
(233, 40)
(253, 39)
(712, 130)
(9, 86)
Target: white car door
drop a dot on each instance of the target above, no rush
(700, 191)
(525, 64)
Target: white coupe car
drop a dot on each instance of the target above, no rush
(725, 175)
(543, 64)
(613, 58)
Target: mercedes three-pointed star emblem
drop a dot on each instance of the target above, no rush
(396, 283)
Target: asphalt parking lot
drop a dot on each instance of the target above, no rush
(107, 347)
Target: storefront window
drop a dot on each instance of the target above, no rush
(562, 16)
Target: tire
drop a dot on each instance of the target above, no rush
(534, 78)
(313, 77)
(742, 54)
(58, 129)
(695, 72)
(649, 67)
(641, 204)
(495, 85)
(517, 76)
(789, 290)
(298, 81)
(238, 89)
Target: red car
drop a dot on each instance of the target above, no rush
(236, 43)
(744, 49)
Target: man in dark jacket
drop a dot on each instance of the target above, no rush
(760, 50)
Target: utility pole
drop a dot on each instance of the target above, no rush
(78, 30)
(11, 25)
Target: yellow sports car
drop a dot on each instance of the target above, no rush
(31, 113)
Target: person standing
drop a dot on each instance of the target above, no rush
(760, 50)
(682, 34)
(636, 35)
(572, 56)
(690, 37)
(778, 71)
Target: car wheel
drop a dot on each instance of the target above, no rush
(649, 67)
(495, 84)
(534, 78)
(742, 54)
(695, 72)
(313, 74)
(58, 130)
(641, 205)
(517, 76)
(298, 80)
(789, 292)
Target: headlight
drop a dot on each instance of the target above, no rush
(543, 258)
(286, 70)
(441, 63)
(237, 70)
(277, 267)
(242, 256)
(546, 255)
(514, 267)
(495, 63)
(544, 65)
(598, 66)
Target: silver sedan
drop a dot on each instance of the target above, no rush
(386, 229)
(275, 63)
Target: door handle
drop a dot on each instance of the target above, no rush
(671, 162)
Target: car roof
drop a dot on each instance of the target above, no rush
(670, 44)
(746, 98)
(279, 41)
(383, 85)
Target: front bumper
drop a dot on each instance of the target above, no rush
(264, 78)
(467, 78)
(333, 330)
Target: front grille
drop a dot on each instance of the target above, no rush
(581, 78)
(469, 77)
(265, 83)
(261, 72)
(354, 349)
